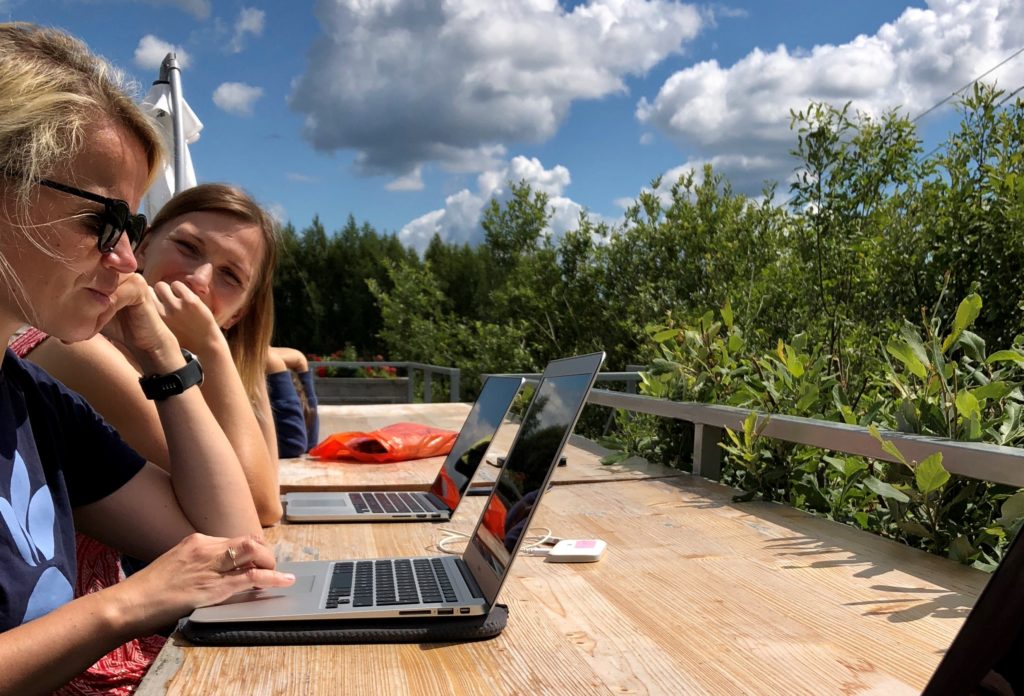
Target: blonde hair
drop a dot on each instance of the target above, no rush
(53, 90)
(249, 337)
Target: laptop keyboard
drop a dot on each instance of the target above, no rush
(389, 583)
(391, 502)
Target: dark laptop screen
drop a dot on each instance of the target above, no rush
(546, 426)
(474, 438)
(987, 655)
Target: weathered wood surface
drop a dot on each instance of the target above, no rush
(695, 595)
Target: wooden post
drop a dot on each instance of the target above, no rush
(707, 455)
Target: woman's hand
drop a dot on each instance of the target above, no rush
(137, 325)
(199, 571)
(188, 317)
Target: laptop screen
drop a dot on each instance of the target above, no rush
(544, 430)
(474, 438)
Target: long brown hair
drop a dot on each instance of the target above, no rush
(249, 337)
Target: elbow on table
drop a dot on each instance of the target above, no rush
(269, 510)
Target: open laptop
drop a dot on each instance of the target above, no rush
(439, 586)
(444, 495)
(987, 655)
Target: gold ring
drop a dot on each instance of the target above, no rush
(232, 555)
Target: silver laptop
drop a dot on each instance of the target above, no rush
(444, 495)
(439, 586)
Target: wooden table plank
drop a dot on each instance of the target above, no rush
(696, 594)
(308, 474)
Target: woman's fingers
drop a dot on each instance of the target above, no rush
(248, 552)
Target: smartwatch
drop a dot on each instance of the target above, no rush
(159, 387)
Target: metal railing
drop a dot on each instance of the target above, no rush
(987, 462)
(411, 369)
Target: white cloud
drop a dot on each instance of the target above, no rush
(300, 178)
(647, 138)
(459, 221)
(408, 83)
(739, 115)
(413, 181)
(151, 51)
(250, 21)
(236, 97)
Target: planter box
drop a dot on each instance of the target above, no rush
(361, 390)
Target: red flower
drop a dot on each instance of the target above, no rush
(321, 371)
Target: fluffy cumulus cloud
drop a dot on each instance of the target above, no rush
(151, 51)
(249, 23)
(404, 83)
(737, 117)
(459, 220)
(236, 97)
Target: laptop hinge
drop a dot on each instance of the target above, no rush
(467, 575)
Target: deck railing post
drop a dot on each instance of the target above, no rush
(453, 391)
(411, 384)
(707, 455)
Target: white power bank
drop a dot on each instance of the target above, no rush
(576, 551)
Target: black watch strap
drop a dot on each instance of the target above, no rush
(159, 387)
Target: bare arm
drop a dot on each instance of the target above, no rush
(252, 437)
(110, 383)
(49, 651)
(291, 358)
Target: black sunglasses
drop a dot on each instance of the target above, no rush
(117, 217)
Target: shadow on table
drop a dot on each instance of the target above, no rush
(818, 543)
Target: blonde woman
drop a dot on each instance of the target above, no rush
(75, 157)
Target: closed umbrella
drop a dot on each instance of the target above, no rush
(179, 126)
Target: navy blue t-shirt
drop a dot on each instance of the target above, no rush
(56, 453)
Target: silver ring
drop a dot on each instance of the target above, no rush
(232, 555)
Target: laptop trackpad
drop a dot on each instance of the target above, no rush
(303, 585)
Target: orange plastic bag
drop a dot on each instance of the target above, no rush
(393, 443)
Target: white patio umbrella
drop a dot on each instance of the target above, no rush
(179, 126)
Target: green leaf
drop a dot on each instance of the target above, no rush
(885, 490)
(967, 406)
(1012, 509)
(996, 389)
(614, 458)
(664, 335)
(1006, 356)
(961, 550)
(915, 529)
(793, 363)
(966, 313)
(727, 314)
(887, 445)
(903, 352)
(930, 475)
(735, 343)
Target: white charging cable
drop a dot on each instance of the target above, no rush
(541, 536)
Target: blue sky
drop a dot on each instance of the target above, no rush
(411, 114)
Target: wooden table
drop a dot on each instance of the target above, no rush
(308, 474)
(696, 594)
